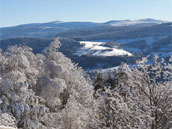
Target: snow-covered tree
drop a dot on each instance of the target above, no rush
(44, 90)
(139, 97)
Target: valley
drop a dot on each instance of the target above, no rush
(96, 45)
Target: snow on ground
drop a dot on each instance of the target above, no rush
(99, 48)
(45, 27)
(135, 22)
(114, 52)
(96, 49)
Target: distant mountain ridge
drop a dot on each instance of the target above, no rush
(43, 29)
(51, 29)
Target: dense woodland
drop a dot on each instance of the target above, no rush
(48, 91)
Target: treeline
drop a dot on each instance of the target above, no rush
(100, 62)
(68, 46)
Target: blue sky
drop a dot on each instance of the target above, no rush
(15, 12)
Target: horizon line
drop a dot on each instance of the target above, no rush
(83, 21)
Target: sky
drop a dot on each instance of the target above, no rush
(15, 12)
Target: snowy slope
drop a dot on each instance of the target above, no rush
(115, 52)
(124, 47)
(97, 49)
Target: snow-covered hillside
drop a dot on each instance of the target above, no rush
(134, 22)
(38, 30)
(98, 49)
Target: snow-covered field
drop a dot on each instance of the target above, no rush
(97, 49)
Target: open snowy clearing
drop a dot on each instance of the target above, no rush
(97, 49)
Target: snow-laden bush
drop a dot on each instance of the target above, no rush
(44, 90)
(7, 121)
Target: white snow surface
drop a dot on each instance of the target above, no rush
(95, 48)
(135, 22)
(46, 27)
(116, 52)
